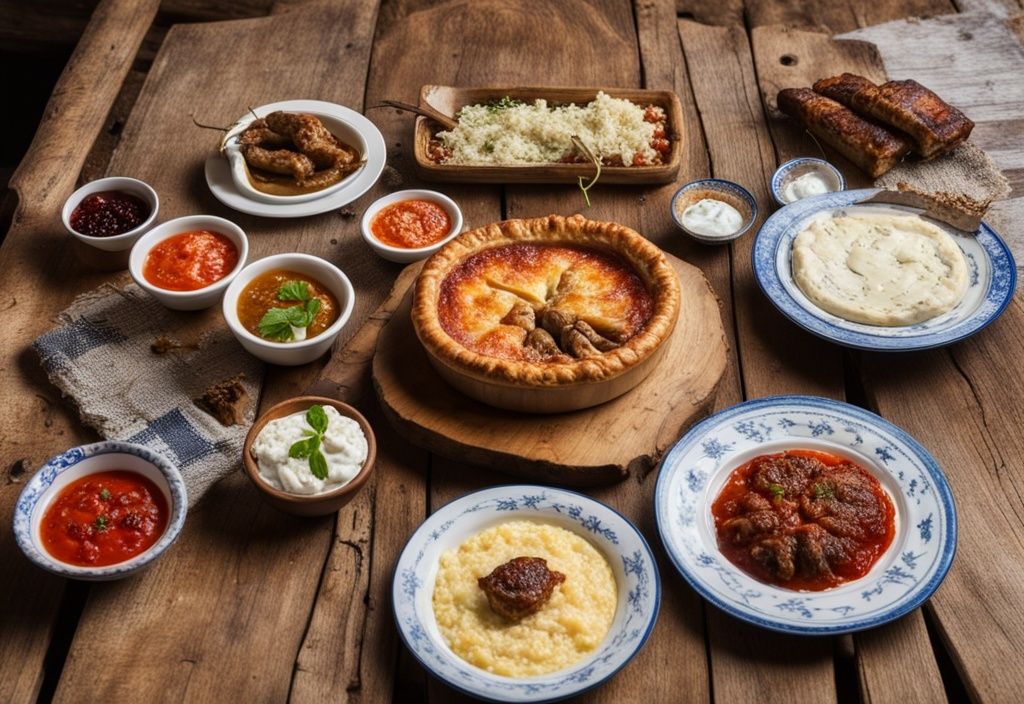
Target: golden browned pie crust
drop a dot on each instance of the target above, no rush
(546, 302)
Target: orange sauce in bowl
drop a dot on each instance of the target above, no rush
(411, 224)
(190, 261)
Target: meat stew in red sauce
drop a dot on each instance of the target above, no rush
(803, 519)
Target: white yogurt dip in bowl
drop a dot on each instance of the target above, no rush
(713, 210)
(293, 479)
(805, 177)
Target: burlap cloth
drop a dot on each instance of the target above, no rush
(101, 356)
(966, 170)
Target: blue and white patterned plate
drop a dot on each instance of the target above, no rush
(636, 575)
(694, 471)
(59, 471)
(993, 277)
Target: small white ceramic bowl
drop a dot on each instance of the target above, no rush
(717, 189)
(290, 353)
(114, 243)
(200, 298)
(240, 172)
(404, 255)
(795, 168)
(78, 462)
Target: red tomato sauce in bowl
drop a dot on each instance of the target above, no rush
(104, 518)
(190, 261)
(411, 224)
(803, 519)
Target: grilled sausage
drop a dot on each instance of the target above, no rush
(311, 137)
(867, 144)
(935, 126)
(278, 161)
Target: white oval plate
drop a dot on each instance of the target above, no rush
(636, 575)
(222, 184)
(992, 271)
(694, 471)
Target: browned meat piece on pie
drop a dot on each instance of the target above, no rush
(602, 343)
(520, 587)
(933, 124)
(522, 315)
(867, 144)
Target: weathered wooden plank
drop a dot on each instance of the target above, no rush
(34, 425)
(841, 16)
(211, 608)
(897, 665)
(963, 404)
(774, 356)
(999, 8)
(727, 12)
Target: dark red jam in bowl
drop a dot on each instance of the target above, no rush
(109, 213)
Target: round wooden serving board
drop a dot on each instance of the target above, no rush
(596, 445)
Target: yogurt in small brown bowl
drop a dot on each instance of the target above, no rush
(309, 455)
(713, 210)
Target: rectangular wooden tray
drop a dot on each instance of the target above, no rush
(450, 99)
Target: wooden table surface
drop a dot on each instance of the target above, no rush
(252, 605)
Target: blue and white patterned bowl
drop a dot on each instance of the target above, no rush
(636, 575)
(59, 471)
(695, 470)
(717, 189)
(795, 168)
(993, 278)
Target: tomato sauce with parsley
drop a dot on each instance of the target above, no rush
(803, 519)
(104, 518)
(190, 260)
(411, 224)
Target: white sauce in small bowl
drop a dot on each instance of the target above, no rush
(712, 218)
(809, 184)
(344, 447)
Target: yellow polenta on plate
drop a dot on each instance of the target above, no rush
(571, 625)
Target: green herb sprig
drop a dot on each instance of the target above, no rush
(277, 323)
(309, 446)
(101, 523)
(824, 491)
(504, 104)
(778, 491)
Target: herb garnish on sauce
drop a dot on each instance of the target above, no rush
(309, 447)
(278, 323)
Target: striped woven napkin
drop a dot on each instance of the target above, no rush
(118, 353)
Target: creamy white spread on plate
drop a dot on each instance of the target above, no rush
(712, 218)
(879, 269)
(344, 447)
(811, 183)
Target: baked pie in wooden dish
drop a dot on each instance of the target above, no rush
(546, 315)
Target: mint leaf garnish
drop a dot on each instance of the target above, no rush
(277, 323)
(293, 291)
(318, 464)
(316, 416)
(309, 446)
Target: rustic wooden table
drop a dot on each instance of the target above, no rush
(252, 605)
